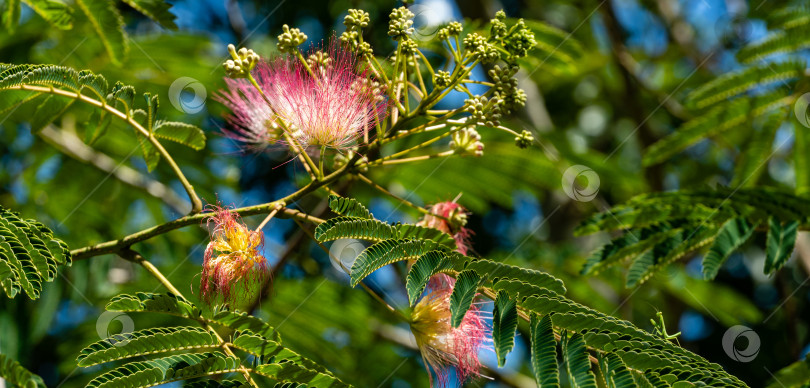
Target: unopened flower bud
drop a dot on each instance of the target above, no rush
(401, 23)
(467, 141)
(242, 63)
(480, 48)
(524, 140)
(442, 79)
(290, 39)
(357, 18)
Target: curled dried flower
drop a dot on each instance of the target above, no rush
(467, 141)
(401, 23)
(290, 39)
(233, 264)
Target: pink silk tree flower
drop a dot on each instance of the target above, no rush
(441, 345)
(332, 106)
(251, 120)
(452, 223)
(233, 266)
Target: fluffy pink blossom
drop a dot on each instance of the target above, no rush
(332, 107)
(233, 266)
(251, 120)
(451, 220)
(443, 346)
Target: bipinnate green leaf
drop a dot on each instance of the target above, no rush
(425, 266)
(463, 294)
(109, 26)
(186, 134)
(732, 234)
(615, 373)
(544, 352)
(29, 255)
(354, 228)
(55, 12)
(50, 108)
(348, 207)
(796, 374)
(387, 252)
(166, 369)
(504, 325)
(11, 14)
(577, 363)
(286, 371)
(157, 10)
(16, 375)
(146, 342)
(779, 244)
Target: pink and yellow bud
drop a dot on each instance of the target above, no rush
(234, 265)
(450, 218)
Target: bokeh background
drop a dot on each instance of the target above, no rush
(636, 60)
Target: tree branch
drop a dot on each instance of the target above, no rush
(196, 204)
(70, 145)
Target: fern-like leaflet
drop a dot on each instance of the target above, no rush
(578, 331)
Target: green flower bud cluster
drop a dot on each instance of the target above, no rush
(498, 28)
(480, 48)
(452, 29)
(401, 23)
(355, 21)
(484, 111)
(466, 141)
(506, 87)
(242, 63)
(519, 41)
(319, 60)
(371, 87)
(290, 39)
(442, 79)
(409, 46)
(524, 140)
